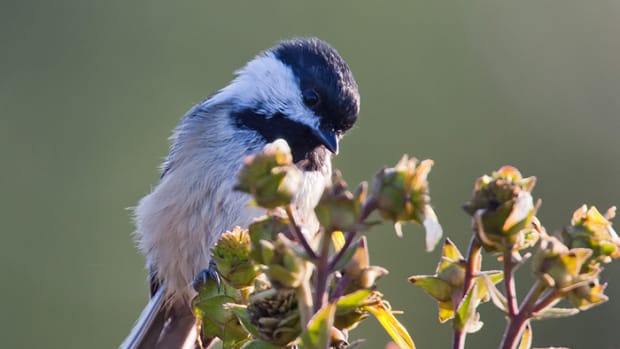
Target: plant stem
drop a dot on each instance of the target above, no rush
(472, 262)
(347, 243)
(299, 234)
(509, 284)
(322, 273)
(304, 298)
(514, 331)
(531, 305)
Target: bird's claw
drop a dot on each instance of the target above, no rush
(205, 275)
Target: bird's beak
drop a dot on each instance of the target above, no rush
(328, 138)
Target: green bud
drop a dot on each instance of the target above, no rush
(401, 194)
(560, 267)
(587, 295)
(286, 268)
(503, 210)
(270, 176)
(590, 229)
(264, 230)
(338, 208)
(232, 257)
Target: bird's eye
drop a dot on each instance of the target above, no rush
(310, 97)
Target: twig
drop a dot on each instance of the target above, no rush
(473, 259)
(322, 274)
(299, 234)
(509, 284)
(347, 243)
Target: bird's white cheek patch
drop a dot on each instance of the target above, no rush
(268, 86)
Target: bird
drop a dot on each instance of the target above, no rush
(302, 91)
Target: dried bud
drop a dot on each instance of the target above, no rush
(231, 255)
(275, 315)
(270, 176)
(592, 230)
(339, 209)
(503, 210)
(359, 273)
(286, 268)
(401, 194)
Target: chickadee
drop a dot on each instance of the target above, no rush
(301, 91)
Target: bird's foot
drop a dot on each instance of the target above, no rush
(207, 276)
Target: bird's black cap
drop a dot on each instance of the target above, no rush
(325, 80)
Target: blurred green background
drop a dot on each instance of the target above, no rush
(89, 92)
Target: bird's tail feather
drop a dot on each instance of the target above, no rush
(162, 325)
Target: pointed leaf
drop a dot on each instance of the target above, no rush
(435, 287)
(317, 334)
(553, 313)
(466, 318)
(346, 258)
(352, 301)
(392, 326)
(446, 311)
(242, 314)
(526, 339)
(497, 297)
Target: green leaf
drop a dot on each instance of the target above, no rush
(466, 318)
(554, 313)
(352, 301)
(434, 286)
(241, 311)
(348, 254)
(317, 334)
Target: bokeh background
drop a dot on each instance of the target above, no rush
(89, 91)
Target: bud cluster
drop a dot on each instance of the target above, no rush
(503, 209)
(281, 290)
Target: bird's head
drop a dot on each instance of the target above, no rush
(301, 90)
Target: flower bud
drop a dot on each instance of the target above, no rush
(338, 208)
(561, 267)
(503, 210)
(263, 232)
(286, 268)
(401, 194)
(592, 230)
(231, 255)
(270, 176)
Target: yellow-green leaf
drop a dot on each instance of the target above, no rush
(392, 326)
(317, 333)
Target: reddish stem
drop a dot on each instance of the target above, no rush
(509, 284)
(473, 259)
(299, 234)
